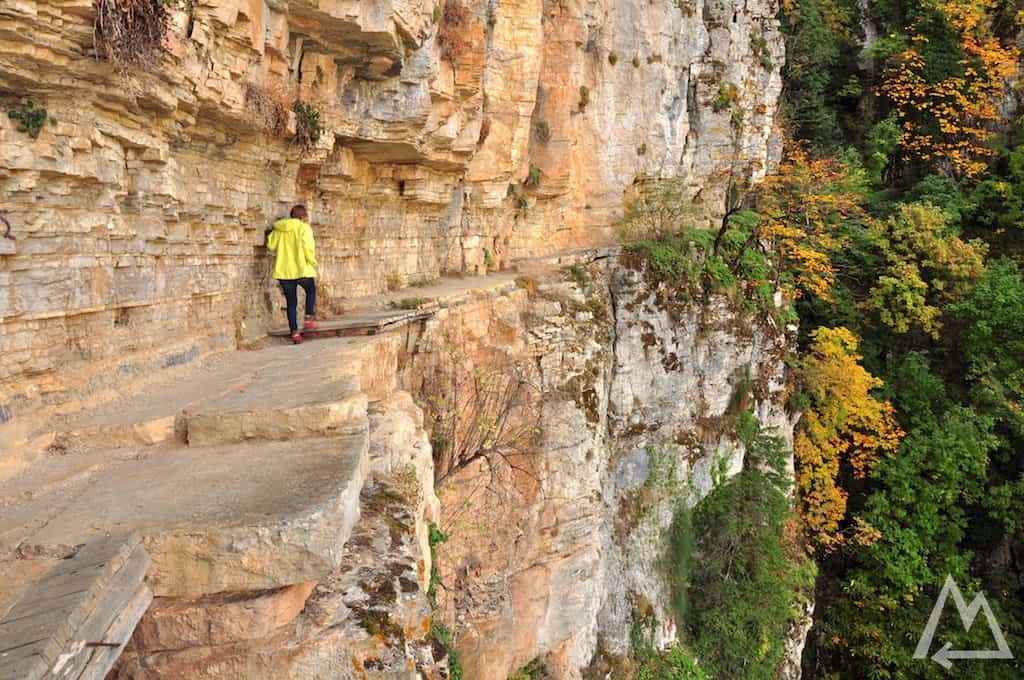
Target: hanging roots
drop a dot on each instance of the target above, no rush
(130, 33)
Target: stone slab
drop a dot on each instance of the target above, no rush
(213, 519)
(276, 377)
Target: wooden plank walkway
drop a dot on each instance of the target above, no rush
(74, 622)
(370, 322)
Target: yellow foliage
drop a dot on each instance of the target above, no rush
(961, 107)
(843, 426)
(801, 208)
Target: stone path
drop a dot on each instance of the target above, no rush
(379, 313)
(242, 475)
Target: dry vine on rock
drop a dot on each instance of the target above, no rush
(477, 413)
(130, 33)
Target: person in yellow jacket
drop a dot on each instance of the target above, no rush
(291, 241)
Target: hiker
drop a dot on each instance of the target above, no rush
(291, 240)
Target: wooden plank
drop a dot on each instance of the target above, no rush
(79, 598)
(126, 587)
(103, 658)
(363, 324)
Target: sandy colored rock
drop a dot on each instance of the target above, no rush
(219, 620)
(242, 517)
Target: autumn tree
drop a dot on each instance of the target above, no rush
(945, 82)
(924, 267)
(844, 431)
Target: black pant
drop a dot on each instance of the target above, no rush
(291, 295)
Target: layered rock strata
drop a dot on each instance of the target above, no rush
(456, 136)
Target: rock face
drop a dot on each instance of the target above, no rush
(554, 551)
(457, 135)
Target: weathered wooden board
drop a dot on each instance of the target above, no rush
(79, 615)
(363, 323)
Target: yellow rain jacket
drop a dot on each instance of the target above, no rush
(292, 242)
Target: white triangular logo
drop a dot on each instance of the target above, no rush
(967, 615)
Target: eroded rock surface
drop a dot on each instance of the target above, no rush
(139, 209)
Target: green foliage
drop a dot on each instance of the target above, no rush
(743, 582)
(308, 128)
(534, 177)
(443, 637)
(812, 58)
(724, 98)
(28, 117)
(435, 537)
(674, 663)
(534, 670)
(881, 145)
(993, 344)
(730, 260)
(636, 61)
(759, 46)
(613, 58)
(924, 267)
(996, 206)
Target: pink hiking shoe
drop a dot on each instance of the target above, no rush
(309, 325)
(297, 339)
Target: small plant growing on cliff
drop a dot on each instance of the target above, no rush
(613, 58)
(636, 61)
(534, 670)
(308, 128)
(584, 97)
(727, 93)
(542, 132)
(452, 33)
(759, 46)
(130, 33)
(534, 177)
(29, 118)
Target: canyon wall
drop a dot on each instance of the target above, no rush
(457, 137)
(556, 551)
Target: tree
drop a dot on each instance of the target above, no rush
(946, 84)
(844, 431)
(924, 267)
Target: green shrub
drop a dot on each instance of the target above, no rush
(534, 670)
(308, 128)
(584, 97)
(741, 583)
(727, 93)
(534, 177)
(613, 58)
(28, 117)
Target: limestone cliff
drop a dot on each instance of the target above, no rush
(554, 552)
(457, 136)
